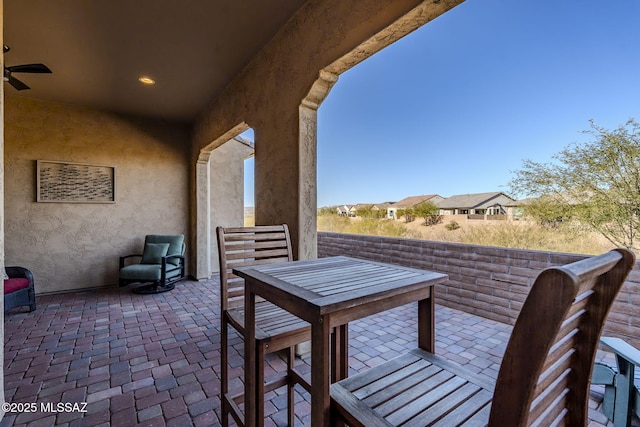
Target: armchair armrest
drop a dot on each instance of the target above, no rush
(180, 257)
(16, 272)
(622, 397)
(166, 265)
(622, 349)
(124, 258)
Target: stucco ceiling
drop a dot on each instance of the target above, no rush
(97, 49)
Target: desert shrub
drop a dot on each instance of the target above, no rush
(452, 226)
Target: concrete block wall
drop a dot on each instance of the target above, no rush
(486, 281)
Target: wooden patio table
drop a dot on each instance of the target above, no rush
(328, 293)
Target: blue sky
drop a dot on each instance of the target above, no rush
(456, 106)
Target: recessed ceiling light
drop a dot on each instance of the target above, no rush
(146, 80)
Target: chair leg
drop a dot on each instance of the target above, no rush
(340, 345)
(224, 372)
(32, 300)
(291, 354)
(260, 385)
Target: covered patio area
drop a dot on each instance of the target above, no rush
(154, 360)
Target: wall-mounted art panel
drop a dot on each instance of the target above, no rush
(63, 182)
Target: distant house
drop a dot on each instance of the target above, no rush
(477, 206)
(381, 206)
(359, 207)
(343, 210)
(410, 202)
(516, 209)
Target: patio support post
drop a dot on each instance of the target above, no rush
(308, 188)
(203, 218)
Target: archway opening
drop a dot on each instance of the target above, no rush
(220, 192)
(249, 182)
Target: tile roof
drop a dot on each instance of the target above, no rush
(412, 201)
(469, 200)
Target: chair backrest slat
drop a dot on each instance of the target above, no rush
(545, 372)
(253, 254)
(247, 246)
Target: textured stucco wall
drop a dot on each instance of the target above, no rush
(331, 35)
(227, 190)
(70, 245)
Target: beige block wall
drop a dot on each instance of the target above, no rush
(487, 281)
(76, 245)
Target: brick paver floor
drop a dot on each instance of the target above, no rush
(114, 358)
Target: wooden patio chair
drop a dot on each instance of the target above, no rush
(545, 372)
(276, 329)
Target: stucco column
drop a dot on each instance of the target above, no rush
(308, 161)
(286, 169)
(203, 218)
(308, 185)
(276, 174)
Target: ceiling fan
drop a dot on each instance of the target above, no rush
(26, 68)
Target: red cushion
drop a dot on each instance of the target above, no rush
(12, 285)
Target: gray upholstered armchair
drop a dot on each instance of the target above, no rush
(161, 264)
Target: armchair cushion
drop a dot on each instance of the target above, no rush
(153, 253)
(12, 285)
(147, 272)
(175, 241)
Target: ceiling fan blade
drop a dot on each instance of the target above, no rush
(16, 83)
(29, 68)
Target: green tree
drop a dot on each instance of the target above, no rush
(327, 211)
(407, 213)
(365, 212)
(548, 211)
(429, 211)
(596, 183)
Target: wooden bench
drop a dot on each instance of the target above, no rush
(544, 376)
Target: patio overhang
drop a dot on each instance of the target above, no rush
(218, 72)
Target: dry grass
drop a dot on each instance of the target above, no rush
(521, 234)
(368, 226)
